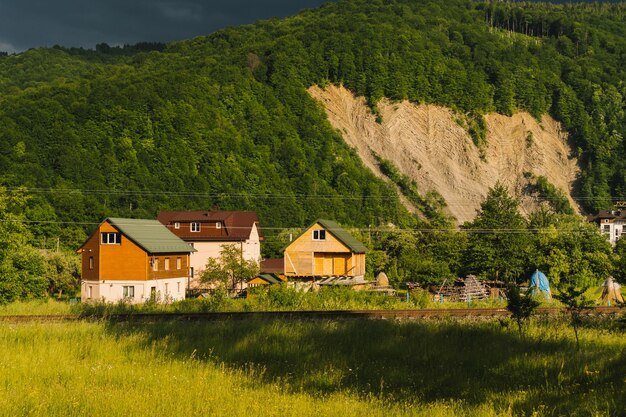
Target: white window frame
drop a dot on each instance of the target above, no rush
(166, 264)
(177, 225)
(110, 238)
(193, 228)
(319, 234)
(128, 291)
(179, 263)
(218, 225)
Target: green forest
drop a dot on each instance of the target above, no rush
(224, 121)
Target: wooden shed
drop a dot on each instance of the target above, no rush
(325, 249)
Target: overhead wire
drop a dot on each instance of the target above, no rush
(295, 229)
(36, 190)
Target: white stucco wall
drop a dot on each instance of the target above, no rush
(612, 230)
(172, 289)
(251, 250)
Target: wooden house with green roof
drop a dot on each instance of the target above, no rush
(325, 249)
(134, 260)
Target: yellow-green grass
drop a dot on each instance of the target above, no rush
(42, 306)
(305, 368)
(276, 299)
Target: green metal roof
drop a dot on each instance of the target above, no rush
(341, 234)
(151, 235)
(270, 278)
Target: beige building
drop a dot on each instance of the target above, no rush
(208, 231)
(325, 249)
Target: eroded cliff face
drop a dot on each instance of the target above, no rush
(426, 143)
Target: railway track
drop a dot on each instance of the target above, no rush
(307, 315)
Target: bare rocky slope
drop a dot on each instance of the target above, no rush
(426, 143)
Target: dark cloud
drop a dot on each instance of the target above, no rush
(34, 23)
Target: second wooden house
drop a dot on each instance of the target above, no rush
(325, 249)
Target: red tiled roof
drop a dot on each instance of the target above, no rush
(238, 224)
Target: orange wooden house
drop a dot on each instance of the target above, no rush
(325, 249)
(135, 260)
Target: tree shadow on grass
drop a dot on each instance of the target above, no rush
(425, 361)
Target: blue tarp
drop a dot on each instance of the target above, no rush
(539, 281)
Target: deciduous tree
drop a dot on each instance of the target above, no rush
(229, 270)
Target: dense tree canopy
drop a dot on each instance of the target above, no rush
(224, 121)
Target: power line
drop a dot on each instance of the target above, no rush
(193, 194)
(359, 229)
(27, 190)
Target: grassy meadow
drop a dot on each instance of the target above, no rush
(276, 298)
(302, 368)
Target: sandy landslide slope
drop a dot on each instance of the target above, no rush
(427, 144)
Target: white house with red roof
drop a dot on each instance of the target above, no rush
(208, 231)
(612, 223)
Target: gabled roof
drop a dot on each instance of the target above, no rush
(341, 234)
(238, 224)
(150, 235)
(608, 214)
(270, 278)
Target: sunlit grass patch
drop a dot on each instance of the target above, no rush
(300, 368)
(36, 307)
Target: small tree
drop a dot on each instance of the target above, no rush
(521, 306)
(62, 272)
(230, 269)
(575, 302)
(498, 240)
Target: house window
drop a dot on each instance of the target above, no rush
(91, 262)
(167, 291)
(178, 286)
(155, 264)
(607, 229)
(218, 225)
(177, 225)
(195, 226)
(319, 234)
(128, 291)
(167, 264)
(89, 292)
(108, 238)
(179, 263)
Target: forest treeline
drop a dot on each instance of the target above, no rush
(225, 121)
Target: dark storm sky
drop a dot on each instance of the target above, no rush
(28, 24)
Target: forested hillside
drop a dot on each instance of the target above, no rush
(225, 120)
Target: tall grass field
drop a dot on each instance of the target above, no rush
(311, 368)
